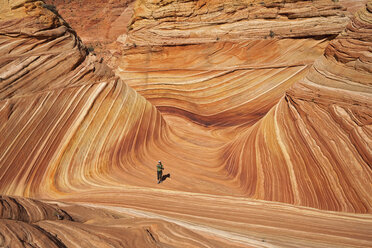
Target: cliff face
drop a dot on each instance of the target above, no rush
(96, 21)
(191, 22)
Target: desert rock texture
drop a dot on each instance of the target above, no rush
(259, 110)
(95, 21)
(189, 22)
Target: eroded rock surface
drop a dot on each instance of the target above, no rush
(31, 223)
(260, 141)
(321, 130)
(169, 22)
(58, 102)
(96, 21)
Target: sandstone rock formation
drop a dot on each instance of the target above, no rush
(229, 86)
(320, 129)
(353, 6)
(97, 21)
(30, 223)
(233, 70)
(219, 84)
(260, 143)
(192, 22)
(60, 105)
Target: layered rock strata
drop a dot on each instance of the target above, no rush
(30, 223)
(230, 72)
(221, 84)
(353, 6)
(193, 22)
(317, 140)
(63, 113)
(97, 21)
(230, 130)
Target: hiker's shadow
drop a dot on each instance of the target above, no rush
(164, 177)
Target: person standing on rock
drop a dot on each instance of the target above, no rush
(160, 169)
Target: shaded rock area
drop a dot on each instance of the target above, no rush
(98, 23)
(30, 223)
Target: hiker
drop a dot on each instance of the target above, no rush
(160, 169)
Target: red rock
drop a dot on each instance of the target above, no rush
(316, 142)
(98, 21)
(260, 143)
(193, 22)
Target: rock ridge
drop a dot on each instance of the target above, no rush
(193, 22)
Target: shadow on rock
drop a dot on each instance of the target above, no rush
(164, 177)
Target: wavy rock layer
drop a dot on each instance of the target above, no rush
(193, 22)
(71, 130)
(62, 112)
(30, 223)
(219, 84)
(353, 6)
(319, 147)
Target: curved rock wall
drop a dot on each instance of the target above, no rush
(63, 113)
(314, 147)
(219, 84)
(250, 132)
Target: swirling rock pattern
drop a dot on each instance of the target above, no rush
(320, 130)
(219, 84)
(30, 223)
(55, 99)
(252, 133)
(353, 6)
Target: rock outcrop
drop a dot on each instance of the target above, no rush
(97, 21)
(259, 141)
(171, 22)
(221, 84)
(31, 223)
(315, 144)
(61, 109)
(232, 70)
(353, 6)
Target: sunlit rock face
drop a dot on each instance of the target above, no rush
(190, 22)
(315, 144)
(278, 152)
(64, 115)
(222, 84)
(222, 63)
(353, 6)
(258, 140)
